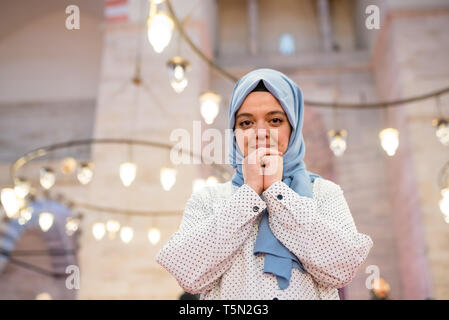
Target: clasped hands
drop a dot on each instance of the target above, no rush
(262, 167)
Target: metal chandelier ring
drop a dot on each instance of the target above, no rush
(39, 152)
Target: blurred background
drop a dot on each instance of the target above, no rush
(91, 91)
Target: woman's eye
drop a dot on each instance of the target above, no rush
(276, 120)
(245, 123)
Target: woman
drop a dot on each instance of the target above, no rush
(276, 231)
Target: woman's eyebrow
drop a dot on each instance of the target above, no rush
(242, 115)
(276, 112)
(268, 114)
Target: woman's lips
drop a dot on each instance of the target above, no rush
(267, 146)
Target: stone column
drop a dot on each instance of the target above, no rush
(405, 68)
(325, 21)
(253, 26)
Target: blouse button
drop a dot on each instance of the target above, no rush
(280, 196)
(255, 208)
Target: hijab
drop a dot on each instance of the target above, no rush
(278, 259)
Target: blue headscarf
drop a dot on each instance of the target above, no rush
(278, 259)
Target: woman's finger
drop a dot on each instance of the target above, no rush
(267, 151)
(245, 145)
(255, 156)
(271, 164)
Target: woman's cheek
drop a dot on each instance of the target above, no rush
(242, 146)
(284, 142)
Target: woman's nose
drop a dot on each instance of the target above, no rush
(261, 126)
(262, 134)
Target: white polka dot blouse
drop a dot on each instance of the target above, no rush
(211, 254)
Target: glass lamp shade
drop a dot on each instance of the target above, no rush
(337, 142)
(210, 106)
(126, 234)
(43, 296)
(47, 178)
(11, 202)
(128, 173)
(179, 85)
(177, 73)
(168, 178)
(22, 187)
(72, 225)
(381, 287)
(46, 220)
(85, 172)
(444, 202)
(160, 30)
(389, 139)
(25, 215)
(442, 130)
(113, 226)
(68, 165)
(154, 236)
(98, 230)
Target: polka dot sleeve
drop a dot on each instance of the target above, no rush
(209, 236)
(320, 232)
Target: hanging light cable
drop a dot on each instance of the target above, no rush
(337, 137)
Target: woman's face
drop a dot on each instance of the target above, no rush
(261, 110)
